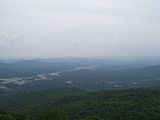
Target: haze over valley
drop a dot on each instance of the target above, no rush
(79, 60)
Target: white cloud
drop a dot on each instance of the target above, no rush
(7, 40)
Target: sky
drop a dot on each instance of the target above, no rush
(79, 28)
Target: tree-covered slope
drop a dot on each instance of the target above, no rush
(116, 105)
(133, 104)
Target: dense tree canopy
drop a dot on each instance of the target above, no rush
(133, 104)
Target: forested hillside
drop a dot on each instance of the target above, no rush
(75, 104)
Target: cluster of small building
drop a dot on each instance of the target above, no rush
(25, 80)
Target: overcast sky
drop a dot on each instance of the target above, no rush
(80, 28)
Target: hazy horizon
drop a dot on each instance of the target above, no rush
(143, 59)
(85, 28)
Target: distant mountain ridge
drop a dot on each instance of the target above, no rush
(88, 74)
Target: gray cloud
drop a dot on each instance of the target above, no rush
(58, 28)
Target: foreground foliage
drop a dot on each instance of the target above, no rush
(133, 104)
(11, 116)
